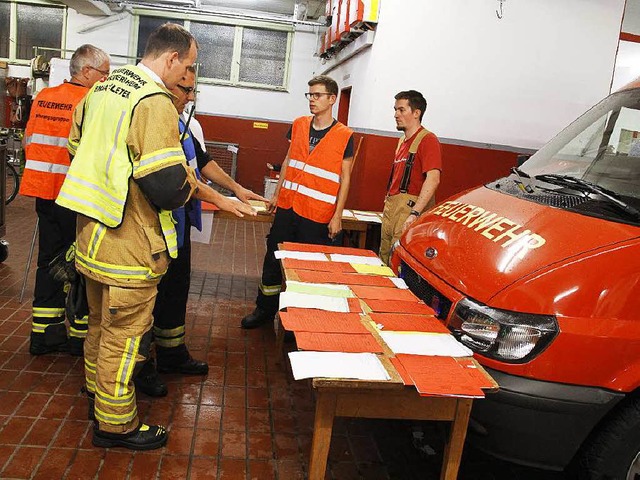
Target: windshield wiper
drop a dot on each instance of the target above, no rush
(520, 174)
(583, 185)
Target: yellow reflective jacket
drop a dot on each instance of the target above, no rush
(125, 129)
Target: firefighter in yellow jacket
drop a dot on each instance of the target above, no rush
(127, 173)
(47, 161)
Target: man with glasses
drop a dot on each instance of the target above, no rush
(311, 192)
(169, 312)
(47, 162)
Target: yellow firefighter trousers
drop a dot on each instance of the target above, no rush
(394, 215)
(118, 320)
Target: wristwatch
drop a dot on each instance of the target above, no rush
(414, 212)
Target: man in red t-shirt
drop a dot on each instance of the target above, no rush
(415, 174)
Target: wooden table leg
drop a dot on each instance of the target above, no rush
(322, 429)
(455, 444)
(362, 239)
(279, 331)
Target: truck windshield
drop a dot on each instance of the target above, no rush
(601, 147)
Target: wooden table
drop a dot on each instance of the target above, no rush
(390, 399)
(349, 224)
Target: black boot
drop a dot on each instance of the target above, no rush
(149, 382)
(178, 360)
(54, 339)
(256, 319)
(145, 437)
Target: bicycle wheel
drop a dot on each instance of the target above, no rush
(13, 183)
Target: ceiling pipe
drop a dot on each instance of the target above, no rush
(225, 14)
(90, 27)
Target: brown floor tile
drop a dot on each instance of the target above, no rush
(71, 433)
(207, 442)
(174, 467)
(54, 464)
(145, 465)
(15, 430)
(283, 421)
(59, 406)
(25, 381)
(23, 463)
(258, 397)
(234, 444)
(286, 447)
(235, 397)
(116, 464)
(234, 419)
(18, 361)
(5, 453)
(232, 469)
(43, 432)
(85, 464)
(290, 470)
(184, 415)
(262, 470)
(9, 402)
(211, 395)
(209, 417)
(187, 394)
(180, 440)
(260, 445)
(259, 420)
(33, 405)
(49, 383)
(204, 468)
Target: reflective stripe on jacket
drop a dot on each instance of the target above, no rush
(47, 158)
(312, 180)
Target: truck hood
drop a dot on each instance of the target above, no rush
(482, 241)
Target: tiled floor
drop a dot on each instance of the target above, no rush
(247, 419)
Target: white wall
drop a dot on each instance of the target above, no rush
(514, 81)
(627, 64)
(113, 38)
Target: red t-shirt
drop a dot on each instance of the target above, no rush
(428, 157)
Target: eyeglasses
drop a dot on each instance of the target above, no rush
(316, 95)
(103, 72)
(185, 90)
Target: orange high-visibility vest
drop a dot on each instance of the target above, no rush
(312, 180)
(47, 158)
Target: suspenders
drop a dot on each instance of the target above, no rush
(408, 166)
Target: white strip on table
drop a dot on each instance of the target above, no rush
(420, 343)
(362, 366)
(280, 254)
(400, 283)
(360, 259)
(321, 302)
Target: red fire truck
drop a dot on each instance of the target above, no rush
(539, 274)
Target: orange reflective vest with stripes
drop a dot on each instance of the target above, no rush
(312, 180)
(47, 158)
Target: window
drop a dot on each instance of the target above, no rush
(30, 25)
(247, 55)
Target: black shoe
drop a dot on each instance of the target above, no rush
(190, 367)
(256, 318)
(42, 344)
(145, 437)
(75, 346)
(149, 382)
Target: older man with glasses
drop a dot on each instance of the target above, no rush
(46, 167)
(169, 312)
(311, 192)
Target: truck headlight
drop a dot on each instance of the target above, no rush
(511, 337)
